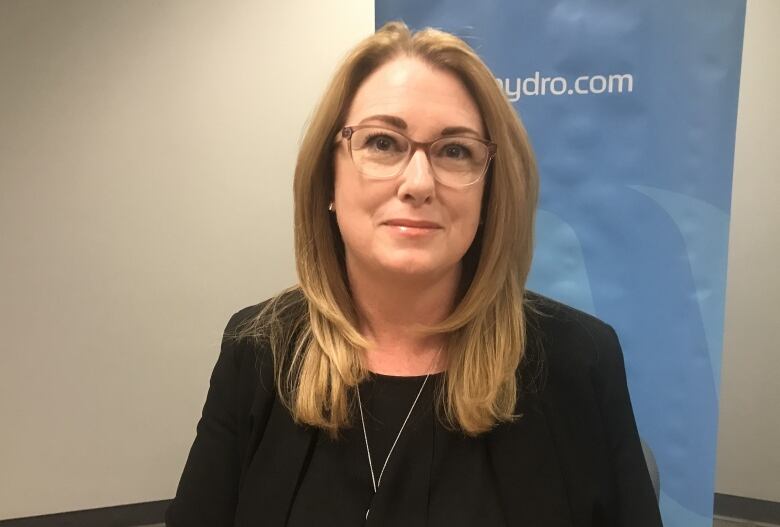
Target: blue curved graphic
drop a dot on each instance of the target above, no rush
(559, 265)
(705, 230)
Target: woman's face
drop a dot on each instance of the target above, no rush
(410, 224)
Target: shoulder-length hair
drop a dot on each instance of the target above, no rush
(312, 328)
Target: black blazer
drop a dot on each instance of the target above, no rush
(582, 462)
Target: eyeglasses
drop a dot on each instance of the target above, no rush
(382, 153)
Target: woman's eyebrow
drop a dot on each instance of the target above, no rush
(399, 123)
(389, 119)
(460, 130)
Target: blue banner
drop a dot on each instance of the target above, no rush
(631, 107)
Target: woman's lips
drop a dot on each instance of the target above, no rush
(421, 224)
(406, 227)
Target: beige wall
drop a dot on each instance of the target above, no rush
(749, 429)
(146, 156)
(146, 152)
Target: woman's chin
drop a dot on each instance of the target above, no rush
(415, 267)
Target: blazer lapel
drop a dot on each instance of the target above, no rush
(274, 471)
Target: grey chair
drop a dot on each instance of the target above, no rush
(652, 467)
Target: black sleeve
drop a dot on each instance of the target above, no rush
(208, 489)
(637, 502)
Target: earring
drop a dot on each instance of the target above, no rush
(330, 207)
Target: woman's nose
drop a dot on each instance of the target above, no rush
(417, 182)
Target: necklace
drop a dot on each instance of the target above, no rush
(374, 480)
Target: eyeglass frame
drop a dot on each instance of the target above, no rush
(347, 131)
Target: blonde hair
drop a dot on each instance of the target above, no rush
(314, 337)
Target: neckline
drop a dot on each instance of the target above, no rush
(382, 377)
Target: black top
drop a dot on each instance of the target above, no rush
(573, 459)
(439, 476)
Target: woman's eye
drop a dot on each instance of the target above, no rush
(380, 142)
(456, 151)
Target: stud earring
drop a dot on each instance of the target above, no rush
(330, 207)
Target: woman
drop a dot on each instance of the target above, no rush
(409, 379)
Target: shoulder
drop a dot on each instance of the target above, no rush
(239, 349)
(554, 320)
(256, 322)
(568, 341)
(283, 309)
(587, 406)
(247, 337)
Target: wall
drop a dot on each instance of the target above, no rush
(749, 428)
(146, 159)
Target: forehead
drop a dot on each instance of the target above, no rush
(428, 99)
